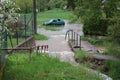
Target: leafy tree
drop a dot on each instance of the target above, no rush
(25, 5)
(114, 30)
(96, 15)
(92, 15)
(7, 17)
(42, 4)
(71, 4)
(110, 8)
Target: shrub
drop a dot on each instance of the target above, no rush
(82, 56)
(114, 30)
(112, 68)
(95, 25)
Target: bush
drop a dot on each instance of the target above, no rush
(112, 68)
(82, 56)
(95, 25)
(114, 30)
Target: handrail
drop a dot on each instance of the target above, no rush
(73, 38)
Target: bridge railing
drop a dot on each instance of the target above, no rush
(74, 39)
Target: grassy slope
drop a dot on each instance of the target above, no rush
(43, 67)
(113, 48)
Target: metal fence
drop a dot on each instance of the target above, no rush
(74, 39)
(21, 30)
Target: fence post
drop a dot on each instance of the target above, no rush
(16, 33)
(74, 38)
(4, 45)
(25, 25)
(80, 42)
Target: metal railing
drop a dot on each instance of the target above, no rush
(73, 38)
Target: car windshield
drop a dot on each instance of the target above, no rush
(50, 20)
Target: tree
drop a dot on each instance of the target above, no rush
(114, 30)
(25, 5)
(42, 4)
(110, 8)
(92, 15)
(7, 17)
(71, 4)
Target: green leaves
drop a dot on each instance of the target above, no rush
(8, 16)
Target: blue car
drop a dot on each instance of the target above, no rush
(55, 22)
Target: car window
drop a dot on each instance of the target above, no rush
(58, 19)
(54, 20)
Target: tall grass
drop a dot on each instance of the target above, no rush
(43, 67)
(81, 55)
(112, 68)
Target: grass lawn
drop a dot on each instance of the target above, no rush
(43, 67)
(51, 14)
(14, 42)
(40, 37)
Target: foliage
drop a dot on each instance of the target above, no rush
(48, 5)
(43, 67)
(95, 25)
(114, 30)
(92, 16)
(112, 68)
(42, 5)
(95, 14)
(40, 37)
(82, 56)
(56, 4)
(110, 8)
(8, 16)
(24, 5)
(71, 4)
